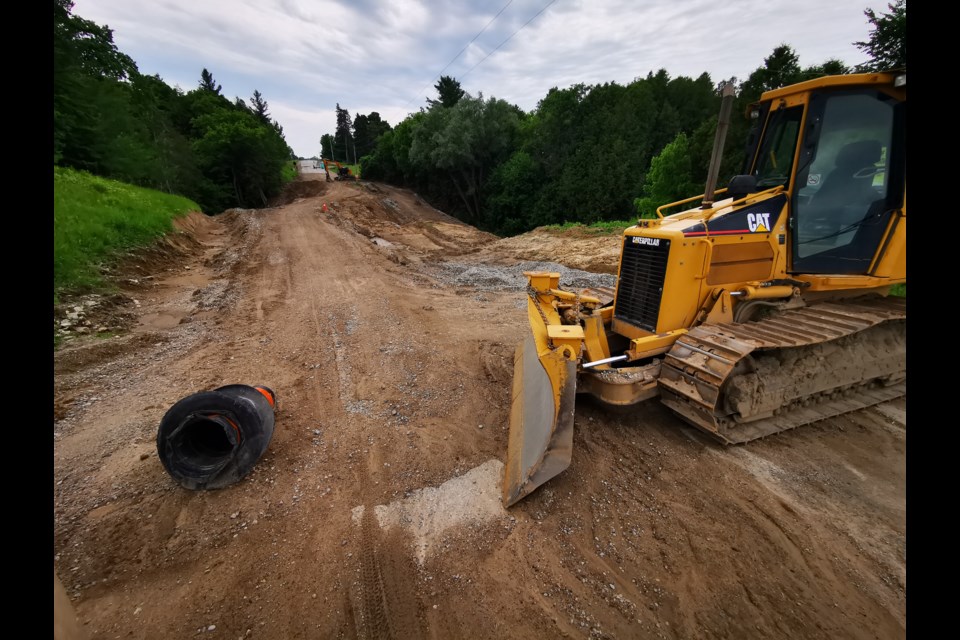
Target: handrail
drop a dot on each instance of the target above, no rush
(712, 210)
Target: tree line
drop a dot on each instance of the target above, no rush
(111, 120)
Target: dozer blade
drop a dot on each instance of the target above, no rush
(541, 420)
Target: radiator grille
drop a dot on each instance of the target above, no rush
(643, 268)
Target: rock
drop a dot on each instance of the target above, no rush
(144, 456)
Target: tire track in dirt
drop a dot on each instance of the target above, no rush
(383, 601)
(370, 605)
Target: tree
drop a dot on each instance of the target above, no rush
(831, 67)
(207, 83)
(242, 157)
(449, 91)
(343, 140)
(390, 161)
(366, 131)
(465, 143)
(780, 68)
(887, 45)
(513, 189)
(259, 106)
(670, 178)
(86, 47)
(85, 60)
(326, 146)
(156, 107)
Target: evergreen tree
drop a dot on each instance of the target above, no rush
(449, 91)
(259, 106)
(207, 83)
(343, 140)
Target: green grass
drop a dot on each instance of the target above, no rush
(598, 228)
(94, 219)
(899, 290)
(289, 173)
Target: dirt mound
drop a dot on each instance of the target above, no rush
(576, 248)
(400, 222)
(307, 186)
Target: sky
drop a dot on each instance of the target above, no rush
(307, 56)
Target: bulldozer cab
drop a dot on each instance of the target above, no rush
(840, 154)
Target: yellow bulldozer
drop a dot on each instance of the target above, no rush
(747, 310)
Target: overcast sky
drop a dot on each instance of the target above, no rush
(305, 56)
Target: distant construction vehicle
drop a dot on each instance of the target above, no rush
(339, 171)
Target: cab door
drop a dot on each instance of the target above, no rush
(849, 180)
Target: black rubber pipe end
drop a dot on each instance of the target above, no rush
(212, 439)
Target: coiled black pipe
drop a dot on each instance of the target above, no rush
(212, 439)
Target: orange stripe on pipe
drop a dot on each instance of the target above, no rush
(235, 428)
(266, 394)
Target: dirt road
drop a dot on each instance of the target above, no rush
(375, 511)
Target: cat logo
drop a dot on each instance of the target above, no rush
(758, 222)
(654, 242)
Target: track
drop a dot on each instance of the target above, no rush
(740, 382)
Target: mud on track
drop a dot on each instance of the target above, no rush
(392, 367)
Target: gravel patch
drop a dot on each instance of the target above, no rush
(511, 278)
(428, 513)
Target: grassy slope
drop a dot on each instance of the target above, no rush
(610, 227)
(95, 218)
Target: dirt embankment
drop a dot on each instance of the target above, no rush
(375, 511)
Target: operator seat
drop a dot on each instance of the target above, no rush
(851, 180)
(848, 214)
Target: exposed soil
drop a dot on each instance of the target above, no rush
(387, 330)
